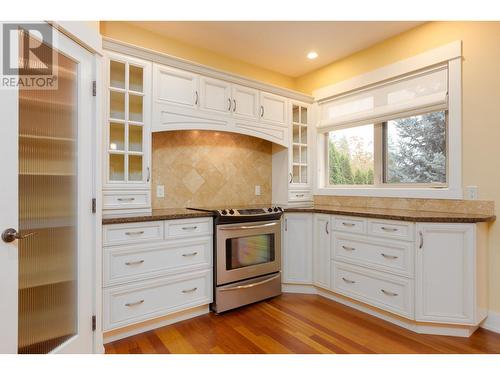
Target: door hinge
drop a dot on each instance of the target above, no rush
(93, 323)
(94, 88)
(94, 204)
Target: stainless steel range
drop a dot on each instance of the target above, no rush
(247, 255)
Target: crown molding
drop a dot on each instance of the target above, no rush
(176, 62)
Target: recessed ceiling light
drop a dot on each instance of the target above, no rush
(312, 55)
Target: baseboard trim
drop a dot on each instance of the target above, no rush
(492, 322)
(134, 329)
(423, 328)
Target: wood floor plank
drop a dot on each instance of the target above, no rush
(297, 323)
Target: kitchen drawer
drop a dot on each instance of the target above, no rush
(116, 200)
(130, 233)
(130, 263)
(391, 229)
(300, 195)
(141, 301)
(388, 292)
(349, 224)
(384, 255)
(188, 227)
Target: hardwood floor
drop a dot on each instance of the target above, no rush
(297, 323)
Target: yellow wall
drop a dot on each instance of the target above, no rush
(481, 103)
(132, 34)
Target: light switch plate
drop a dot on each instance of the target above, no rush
(160, 191)
(257, 189)
(471, 192)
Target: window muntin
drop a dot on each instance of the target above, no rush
(405, 151)
(415, 149)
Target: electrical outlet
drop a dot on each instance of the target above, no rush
(160, 191)
(257, 189)
(471, 192)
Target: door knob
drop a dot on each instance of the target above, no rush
(10, 234)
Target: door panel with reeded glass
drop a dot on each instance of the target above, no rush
(53, 160)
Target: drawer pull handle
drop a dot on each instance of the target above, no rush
(190, 254)
(139, 232)
(348, 281)
(348, 248)
(134, 263)
(190, 290)
(130, 304)
(389, 256)
(299, 195)
(126, 199)
(388, 229)
(348, 224)
(388, 293)
(190, 228)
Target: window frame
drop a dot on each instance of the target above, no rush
(380, 158)
(449, 54)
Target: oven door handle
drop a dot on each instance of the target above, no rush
(248, 226)
(226, 289)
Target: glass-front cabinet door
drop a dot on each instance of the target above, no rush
(299, 149)
(128, 134)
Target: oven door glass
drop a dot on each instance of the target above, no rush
(249, 251)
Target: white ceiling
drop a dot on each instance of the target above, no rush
(281, 46)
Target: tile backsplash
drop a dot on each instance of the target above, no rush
(432, 205)
(208, 168)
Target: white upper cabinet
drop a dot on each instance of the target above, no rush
(445, 273)
(215, 95)
(297, 250)
(322, 227)
(176, 86)
(245, 101)
(128, 122)
(273, 108)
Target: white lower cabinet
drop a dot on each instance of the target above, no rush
(388, 292)
(145, 300)
(321, 250)
(425, 272)
(151, 269)
(451, 273)
(297, 248)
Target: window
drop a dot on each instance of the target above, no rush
(351, 156)
(415, 149)
(403, 151)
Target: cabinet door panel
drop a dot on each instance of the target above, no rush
(245, 102)
(215, 95)
(174, 86)
(445, 273)
(321, 250)
(297, 251)
(273, 108)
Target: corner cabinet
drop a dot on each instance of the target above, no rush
(297, 249)
(451, 274)
(127, 153)
(433, 275)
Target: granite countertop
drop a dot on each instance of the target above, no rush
(160, 214)
(378, 213)
(394, 214)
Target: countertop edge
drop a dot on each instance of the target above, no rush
(139, 219)
(439, 218)
(429, 218)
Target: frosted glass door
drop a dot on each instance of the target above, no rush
(47, 212)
